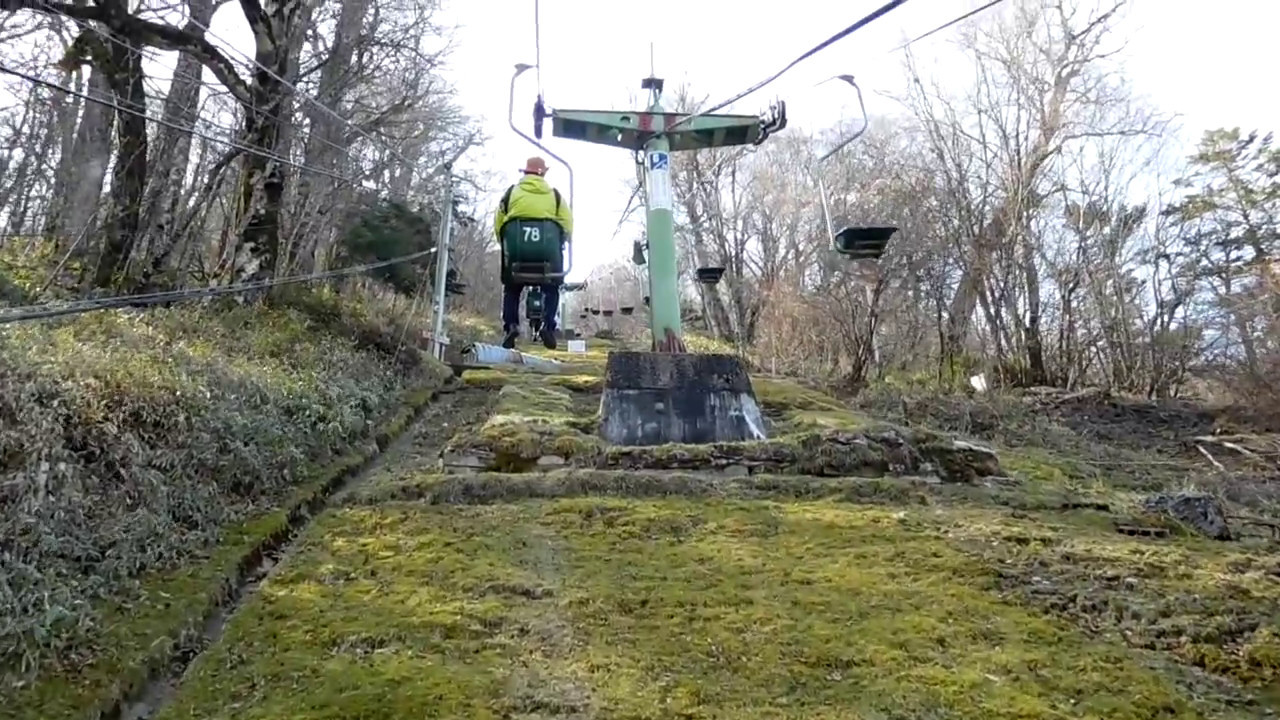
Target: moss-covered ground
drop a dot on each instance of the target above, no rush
(588, 592)
(590, 607)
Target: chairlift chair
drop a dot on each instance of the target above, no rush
(710, 276)
(637, 252)
(854, 242)
(627, 310)
(535, 252)
(533, 309)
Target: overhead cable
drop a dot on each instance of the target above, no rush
(164, 123)
(866, 20)
(948, 24)
(50, 310)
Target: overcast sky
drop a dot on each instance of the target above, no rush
(1200, 61)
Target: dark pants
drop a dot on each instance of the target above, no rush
(511, 295)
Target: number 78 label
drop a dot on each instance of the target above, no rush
(532, 234)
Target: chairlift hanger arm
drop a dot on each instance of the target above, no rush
(540, 111)
(861, 129)
(856, 243)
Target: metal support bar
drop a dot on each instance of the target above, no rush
(442, 265)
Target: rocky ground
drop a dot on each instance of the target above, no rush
(982, 559)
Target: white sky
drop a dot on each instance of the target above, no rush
(1200, 61)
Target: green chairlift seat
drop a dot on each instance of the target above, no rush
(533, 304)
(533, 307)
(533, 252)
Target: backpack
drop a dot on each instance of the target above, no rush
(506, 200)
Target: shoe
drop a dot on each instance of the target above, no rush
(509, 341)
(548, 336)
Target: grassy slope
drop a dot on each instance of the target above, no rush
(932, 602)
(245, 414)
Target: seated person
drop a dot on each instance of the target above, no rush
(531, 199)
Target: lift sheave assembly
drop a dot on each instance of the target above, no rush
(666, 395)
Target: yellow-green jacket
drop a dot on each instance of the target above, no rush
(533, 199)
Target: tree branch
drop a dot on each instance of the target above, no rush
(147, 32)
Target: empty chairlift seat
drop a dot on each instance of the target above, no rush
(863, 243)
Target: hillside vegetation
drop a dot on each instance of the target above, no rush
(144, 454)
(704, 581)
(1025, 465)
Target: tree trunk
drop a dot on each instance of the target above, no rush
(324, 148)
(76, 200)
(129, 175)
(173, 149)
(262, 184)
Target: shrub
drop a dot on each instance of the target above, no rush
(129, 441)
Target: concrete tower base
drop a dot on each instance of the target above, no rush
(687, 398)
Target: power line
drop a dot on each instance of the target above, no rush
(866, 20)
(88, 25)
(947, 24)
(49, 310)
(164, 123)
(878, 13)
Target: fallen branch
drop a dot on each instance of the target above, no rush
(1229, 444)
(1210, 458)
(1261, 522)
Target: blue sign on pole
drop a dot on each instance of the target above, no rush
(658, 161)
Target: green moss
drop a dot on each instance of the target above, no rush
(671, 608)
(699, 343)
(787, 395)
(495, 378)
(140, 635)
(829, 419)
(794, 408)
(485, 488)
(531, 419)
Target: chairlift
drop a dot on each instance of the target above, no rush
(637, 252)
(534, 252)
(607, 313)
(855, 242)
(710, 276)
(646, 301)
(627, 310)
(533, 304)
(595, 311)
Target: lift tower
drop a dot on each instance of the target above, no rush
(669, 395)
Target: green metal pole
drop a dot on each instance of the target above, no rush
(664, 292)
